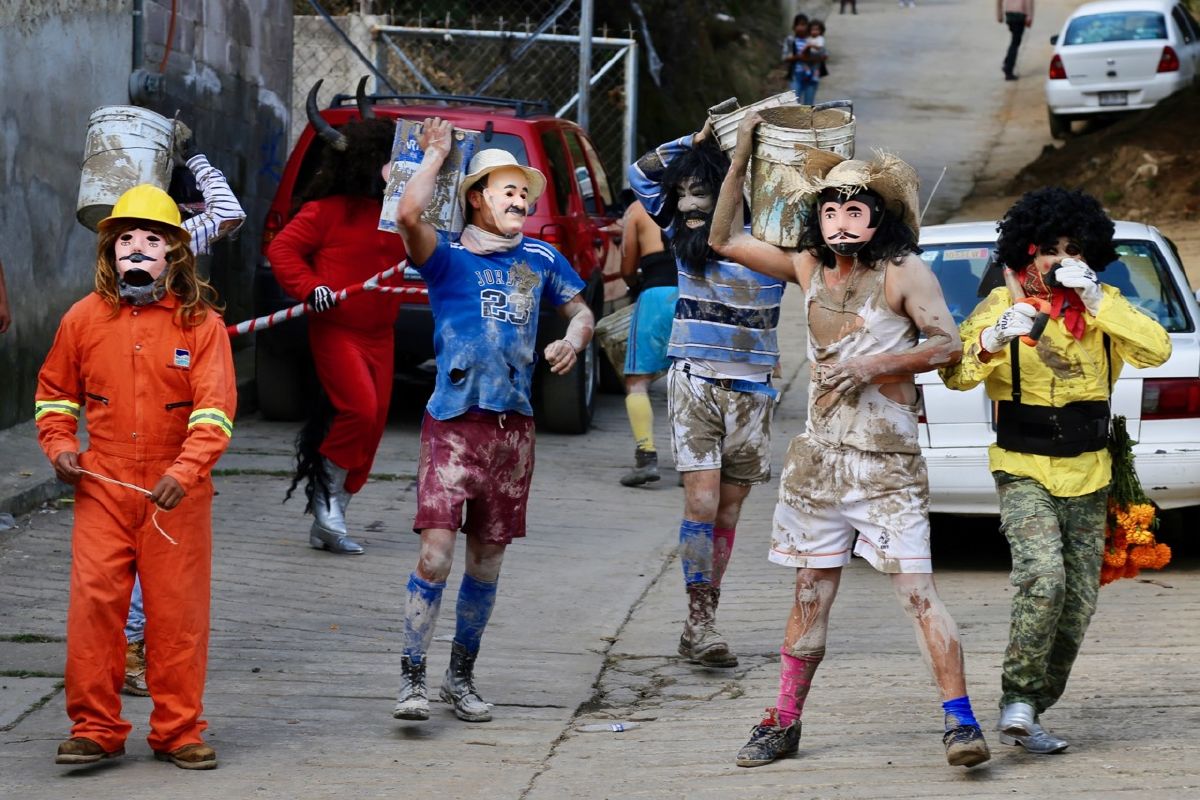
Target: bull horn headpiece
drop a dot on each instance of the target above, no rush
(365, 110)
(336, 138)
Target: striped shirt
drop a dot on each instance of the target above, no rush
(726, 312)
(222, 214)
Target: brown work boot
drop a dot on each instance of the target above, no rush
(701, 642)
(78, 750)
(190, 756)
(135, 669)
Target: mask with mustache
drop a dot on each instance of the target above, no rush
(848, 223)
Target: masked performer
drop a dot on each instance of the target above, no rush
(857, 466)
(331, 243)
(217, 214)
(648, 266)
(720, 398)
(1050, 460)
(148, 356)
(477, 436)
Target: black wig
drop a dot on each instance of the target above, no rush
(355, 171)
(1044, 215)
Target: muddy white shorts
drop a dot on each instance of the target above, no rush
(827, 494)
(716, 426)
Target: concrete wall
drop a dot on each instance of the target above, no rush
(228, 73)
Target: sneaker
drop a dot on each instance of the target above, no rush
(769, 741)
(965, 746)
(645, 469)
(78, 750)
(190, 756)
(135, 670)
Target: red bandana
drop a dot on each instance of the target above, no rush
(1064, 303)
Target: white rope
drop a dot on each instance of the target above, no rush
(136, 488)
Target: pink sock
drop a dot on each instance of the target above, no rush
(722, 550)
(795, 677)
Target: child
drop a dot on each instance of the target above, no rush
(812, 58)
(148, 356)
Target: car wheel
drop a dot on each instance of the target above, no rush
(566, 402)
(1060, 126)
(279, 381)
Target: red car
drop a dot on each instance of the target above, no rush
(572, 215)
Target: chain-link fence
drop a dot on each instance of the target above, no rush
(529, 51)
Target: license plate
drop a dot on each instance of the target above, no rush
(1114, 98)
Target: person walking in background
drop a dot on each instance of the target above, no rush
(853, 6)
(793, 43)
(810, 63)
(649, 268)
(1017, 15)
(5, 312)
(1053, 490)
(216, 214)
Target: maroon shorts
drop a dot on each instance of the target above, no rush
(482, 460)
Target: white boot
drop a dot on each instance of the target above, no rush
(329, 511)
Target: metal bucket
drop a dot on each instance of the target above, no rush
(126, 146)
(612, 333)
(777, 215)
(727, 116)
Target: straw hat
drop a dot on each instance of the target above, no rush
(886, 175)
(488, 161)
(806, 173)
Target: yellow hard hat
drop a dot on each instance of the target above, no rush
(144, 201)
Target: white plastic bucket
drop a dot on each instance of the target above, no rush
(777, 215)
(126, 146)
(725, 125)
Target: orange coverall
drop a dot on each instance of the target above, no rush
(160, 399)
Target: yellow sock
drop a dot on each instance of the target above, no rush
(641, 419)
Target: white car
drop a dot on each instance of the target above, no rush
(1161, 404)
(1117, 56)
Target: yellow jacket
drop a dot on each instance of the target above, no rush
(1058, 371)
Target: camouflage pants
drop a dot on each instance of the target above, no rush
(1057, 546)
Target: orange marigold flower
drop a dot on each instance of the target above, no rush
(1131, 569)
(1109, 574)
(1142, 514)
(1140, 536)
(1115, 558)
(1143, 556)
(1162, 556)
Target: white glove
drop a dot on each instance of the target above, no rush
(1074, 274)
(322, 299)
(1016, 321)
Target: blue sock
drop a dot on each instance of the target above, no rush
(958, 712)
(696, 551)
(420, 616)
(475, 601)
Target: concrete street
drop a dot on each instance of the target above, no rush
(305, 648)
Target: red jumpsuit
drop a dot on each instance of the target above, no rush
(160, 399)
(335, 242)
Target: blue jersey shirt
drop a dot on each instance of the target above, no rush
(485, 313)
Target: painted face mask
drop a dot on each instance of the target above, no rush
(505, 197)
(141, 259)
(693, 217)
(848, 223)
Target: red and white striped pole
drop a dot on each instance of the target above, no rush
(371, 284)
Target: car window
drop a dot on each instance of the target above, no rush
(583, 178)
(1118, 26)
(959, 269)
(602, 186)
(1142, 275)
(510, 142)
(1187, 15)
(556, 157)
(1185, 27)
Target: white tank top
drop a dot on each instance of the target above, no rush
(866, 419)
